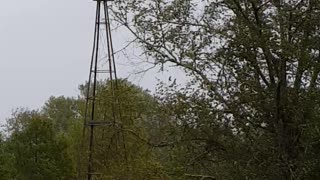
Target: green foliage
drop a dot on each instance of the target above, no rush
(7, 169)
(254, 67)
(63, 112)
(250, 111)
(121, 149)
(47, 143)
(39, 153)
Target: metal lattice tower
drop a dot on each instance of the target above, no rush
(102, 67)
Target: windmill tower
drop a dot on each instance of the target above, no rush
(102, 67)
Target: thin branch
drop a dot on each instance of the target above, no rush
(202, 177)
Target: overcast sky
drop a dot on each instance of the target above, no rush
(45, 48)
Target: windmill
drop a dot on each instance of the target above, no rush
(102, 67)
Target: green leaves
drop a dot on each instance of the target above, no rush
(39, 152)
(7, 159)
(255, 62)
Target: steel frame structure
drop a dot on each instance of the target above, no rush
(102, 20)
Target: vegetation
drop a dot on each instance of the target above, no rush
(250, 110)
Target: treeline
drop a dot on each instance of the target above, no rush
(49, 143)
(173, 135)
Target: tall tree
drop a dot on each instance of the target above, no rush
(258, 64)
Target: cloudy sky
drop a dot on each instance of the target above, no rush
(45, 48)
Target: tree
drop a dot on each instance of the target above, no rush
(258, 64)
(121, 149)
(39, 153)
(47, 143)
(64, 112)
(7, 169)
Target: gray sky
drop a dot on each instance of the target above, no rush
(45, 48)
